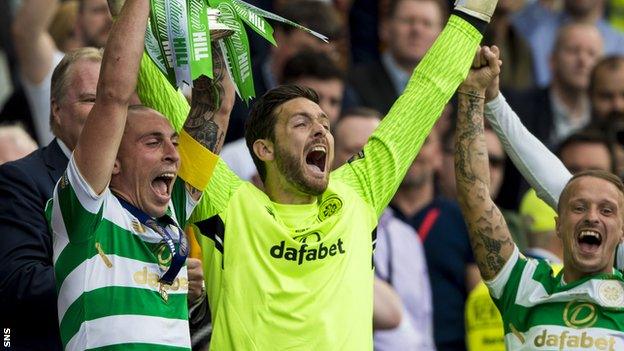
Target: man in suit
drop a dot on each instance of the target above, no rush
(409, 29)
(27, 286)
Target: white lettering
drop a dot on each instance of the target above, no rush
(200, 46)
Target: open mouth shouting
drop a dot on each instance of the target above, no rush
(316, 160)
(163, 184)
(589, 241)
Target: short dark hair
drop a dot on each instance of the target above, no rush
(262, 117)
(588, 136)
(610, 63)
(313, 65)
(596, 173)
(442, 5)
(318, 16)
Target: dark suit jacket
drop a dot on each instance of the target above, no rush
(372, 87)
(27, 286)
(533, 106)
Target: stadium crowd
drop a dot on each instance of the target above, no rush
(458, 213)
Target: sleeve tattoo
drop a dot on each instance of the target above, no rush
(204, 123)
(490, 238)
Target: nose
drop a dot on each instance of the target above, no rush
(592, 218)
(170, 152)
(618, 103)
(319, 130)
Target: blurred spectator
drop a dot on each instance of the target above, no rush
(408, 31)
(606, 89)
(517, 72)
(541, 27)
(15, 143)
(553, 113)
(399, 256)
(441, 228)
(38, 54)
(267, 71)
(312, 69)
(352, 132)
(63, 27)
(363, 29)
(543, 241)
(585, 150)
(27, 286)
(316, 70)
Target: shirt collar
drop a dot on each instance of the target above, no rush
(563, 125)
(397, 75)
(66, 151)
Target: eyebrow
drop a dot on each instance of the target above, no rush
(159, 134)
(321, 115)
(86, 95)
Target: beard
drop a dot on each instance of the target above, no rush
(289, 166)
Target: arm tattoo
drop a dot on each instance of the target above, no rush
(203, 122)
(489, 235)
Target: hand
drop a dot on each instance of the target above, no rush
(492, 90)
(195, 279)
(485, 69)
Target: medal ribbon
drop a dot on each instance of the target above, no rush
(178, 39)
(179, 256)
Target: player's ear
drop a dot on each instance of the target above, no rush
(264, 149)
(116, 167)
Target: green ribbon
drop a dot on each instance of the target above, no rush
(178, 39)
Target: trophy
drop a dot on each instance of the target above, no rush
(181, 33)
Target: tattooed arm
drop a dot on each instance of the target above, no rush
(211, 105)
(490, 238)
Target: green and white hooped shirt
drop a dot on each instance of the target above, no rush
(107, 266)
(540, 312)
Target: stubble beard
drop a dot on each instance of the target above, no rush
(289, 166)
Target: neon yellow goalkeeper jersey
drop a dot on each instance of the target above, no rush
(300, 277)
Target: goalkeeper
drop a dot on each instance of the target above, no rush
(290, 267)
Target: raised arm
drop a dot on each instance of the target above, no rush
(99, 142)
(537, 164)
(33, 44)
(207, 122)
(378, 170)
(489, 236)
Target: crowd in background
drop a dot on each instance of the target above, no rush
(563, 73)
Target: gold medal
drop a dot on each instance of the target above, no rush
(163, 292)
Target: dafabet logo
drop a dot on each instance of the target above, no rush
(566, 340)
(306, 252)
